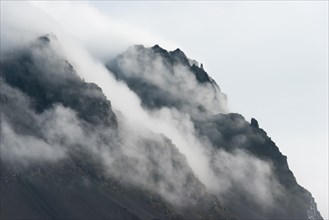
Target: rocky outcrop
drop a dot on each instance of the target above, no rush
(48, 79)
(174, 82)
(64, 155)
(226, 132)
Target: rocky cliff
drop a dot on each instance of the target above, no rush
(66, 153)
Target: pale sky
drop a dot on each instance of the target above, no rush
(270, 58)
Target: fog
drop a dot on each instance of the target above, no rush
(147, 140)
(137, 152)
(270, 58)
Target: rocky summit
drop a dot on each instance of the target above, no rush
(69, 152)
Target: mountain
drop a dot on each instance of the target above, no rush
(67, 153)
(45, 104)
(228, 131)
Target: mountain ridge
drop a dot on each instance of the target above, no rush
(97, 162)
(213, 126)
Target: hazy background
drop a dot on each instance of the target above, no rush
(270, 58)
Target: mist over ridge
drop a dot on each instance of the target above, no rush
(146, 133)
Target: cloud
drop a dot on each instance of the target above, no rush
(176, 84)
(32, 137)
(15, 31)
(159, 149)
(102, 35)
(175, 125)
(27, 137)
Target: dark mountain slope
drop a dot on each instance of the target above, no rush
(64, 155)
(160, 78)
(174, 82)
(44, 76)
(295, 201)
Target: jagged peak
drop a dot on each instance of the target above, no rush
(254, 123)
(178, 51)
(180, 57)
(177, 56)
(157, 49)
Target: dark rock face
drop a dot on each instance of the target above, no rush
(58, 134)
(228, 132)
(178, 57)
(200, 74)
(225, 131)
(50, 80)
(174, 80)
(65, 155)
(254, 123)
(75, 189)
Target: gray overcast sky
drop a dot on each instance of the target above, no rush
(270, 58)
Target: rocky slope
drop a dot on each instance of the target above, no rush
(67, 154)
(56, 130)
(141, 67)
